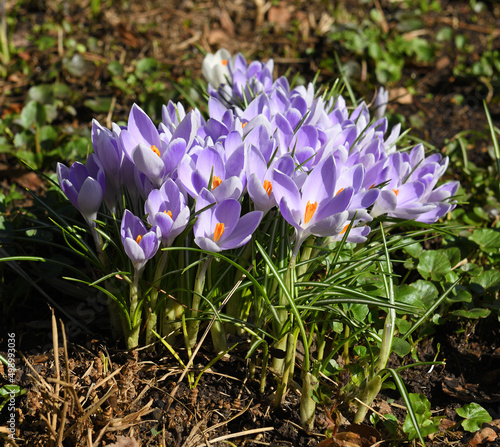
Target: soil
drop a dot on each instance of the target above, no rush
(92, 392)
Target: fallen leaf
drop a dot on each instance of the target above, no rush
(445, 424)
(486, 434)
(217, 36)
(400, 95)
(279, 15)
(29, 180)
(443, 62)
(123, 441)
(495, 425)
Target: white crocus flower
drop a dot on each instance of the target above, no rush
(215, 67)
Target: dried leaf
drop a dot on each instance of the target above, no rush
(484, 435)
(400, 95)
(122, 441)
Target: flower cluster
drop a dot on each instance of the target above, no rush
(265, 149)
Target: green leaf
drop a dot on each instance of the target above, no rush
(433, 265)
(475, 416)
(99, 105)
(115, 68)
(44, 94)
(145, 66)
(33, 113)
(462, 296)
(486, 238)
(400, 347)
(414, 250)
(486, 281)
(426, 292)
(472, 313)
(422, 410)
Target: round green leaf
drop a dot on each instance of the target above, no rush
(433, 265)
(488, 280)
(472, 313)
(486, 238)
(475, 416)
(33, 113)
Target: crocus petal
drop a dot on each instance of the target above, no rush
(148, 162)
(243, 231)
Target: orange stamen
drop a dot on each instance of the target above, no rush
(310, 210)
(339, 191)
(219, 231)
(155, 150)
(216, 181)
(138, 238)
(223, 62)
(268, 187)
(344, 229)
(243, 125)
(168, 213)
(371, 186)
(396, 191)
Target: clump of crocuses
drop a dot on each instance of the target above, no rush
(270, 166)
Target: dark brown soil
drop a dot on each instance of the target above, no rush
(97, 392)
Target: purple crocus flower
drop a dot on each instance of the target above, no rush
(260, 177)
(110, 155)
(139, 243)
(166, 208)
(142, 144)
(221, 227)
(410, 193)
(317, 208)
(380, 103)
(222, 164)
(84, 186)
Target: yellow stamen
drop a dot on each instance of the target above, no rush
(168, 213)
(216, 181)
(268, 187)
(219, 231)
(310, 210)
(396, 191)
(339, 191)
(243, 125)
(223, 62)
(138, 239)
(155, 150)
(344, 229)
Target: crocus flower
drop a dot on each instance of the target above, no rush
(166, 208)
(142, 144)
(260, 177)
(139, 243)
(84, 186)
(317, 208)
(380, 103)
(210, 167)
(215, 68)
(110, 155)
(221, 227)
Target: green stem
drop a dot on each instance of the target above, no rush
(153, 299)
(307, 403)
(278, 363)
(135, 314)
(199, 284)
(263, 373)
(291, 340)
(320, 351)
(236, 305)
(218, 334)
